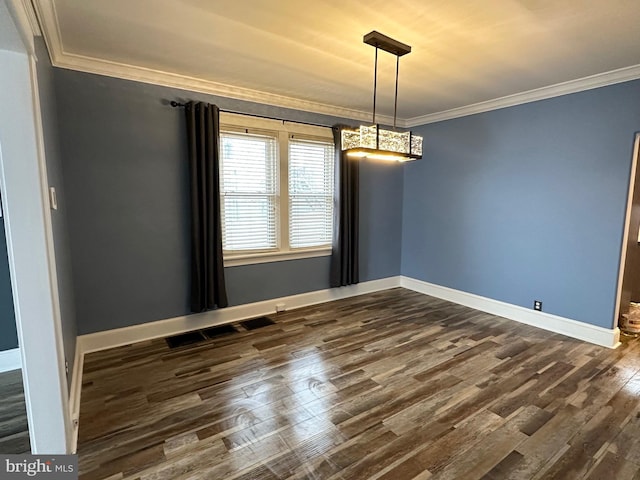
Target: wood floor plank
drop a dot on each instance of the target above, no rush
(614, 466)
(14, 430)
(389, 385)
(483, 456)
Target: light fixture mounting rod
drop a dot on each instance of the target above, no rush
(375, 86)
(395, 103)
(387, 44)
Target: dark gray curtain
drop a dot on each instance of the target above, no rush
(207, 269)
(344, 254)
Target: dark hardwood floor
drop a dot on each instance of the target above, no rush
(392, 385)
(14, 431)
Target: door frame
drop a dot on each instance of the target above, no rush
(627, 223)
(24, 186)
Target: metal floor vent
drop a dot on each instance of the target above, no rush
(184, 339)
(197, 336)
(214, 332)
(257, 323)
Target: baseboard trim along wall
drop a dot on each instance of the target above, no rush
(94, 342)
(582, 331)
(10, 360)
(123, 336)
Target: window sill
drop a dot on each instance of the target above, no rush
(268, 257)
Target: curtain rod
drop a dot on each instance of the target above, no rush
(175, 104)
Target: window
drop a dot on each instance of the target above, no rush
(310, 193)
(249, 191)
(277, 189)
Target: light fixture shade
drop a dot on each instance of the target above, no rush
(416, 144)
(375, 142)
(372, 141)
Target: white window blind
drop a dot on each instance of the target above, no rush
(249, 191)
(276, 187)
(310, 193)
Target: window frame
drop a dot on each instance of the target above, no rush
(282, 131)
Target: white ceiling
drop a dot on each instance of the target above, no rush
(310, 54)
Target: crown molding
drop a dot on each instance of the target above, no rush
(46, 14)
(172, 80)
(573, 86)
(48, 19)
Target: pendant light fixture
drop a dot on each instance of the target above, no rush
(371, 141)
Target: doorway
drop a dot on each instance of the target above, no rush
(27, 224)
(627, 311)
(14, 429)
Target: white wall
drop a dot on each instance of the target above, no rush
(29, 245)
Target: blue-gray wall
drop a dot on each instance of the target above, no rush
(59, 217)
(526, 202)
(8, 333)
(126, 185)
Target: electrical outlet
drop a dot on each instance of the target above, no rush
(66, 367)
(280, 307)
(537, 305)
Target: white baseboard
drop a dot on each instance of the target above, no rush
(582, 331)
(10, 360)
(93, 342)
(162, 328)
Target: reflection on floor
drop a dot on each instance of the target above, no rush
(14, 433)
(391, 385)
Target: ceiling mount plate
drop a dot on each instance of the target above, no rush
(387, 44)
